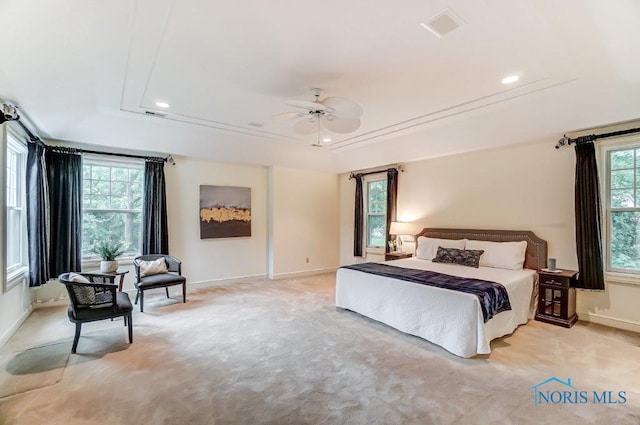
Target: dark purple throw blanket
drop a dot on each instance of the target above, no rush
(493, 296)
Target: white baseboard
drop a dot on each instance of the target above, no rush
(50, 303)
(225, 281)
(305, 273)
(12, 330)
(609, 321)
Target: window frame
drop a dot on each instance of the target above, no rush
(366, 181)
(108, 161)
(15, 273)
(605, 148)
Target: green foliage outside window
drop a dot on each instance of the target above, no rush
(624, 201)
(376, 213)
(112, 206)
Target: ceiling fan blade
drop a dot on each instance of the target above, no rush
(342, 125)
(305, 126)
(286, 116)
(310, 106)
(343, 108)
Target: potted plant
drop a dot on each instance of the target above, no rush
(108, 252)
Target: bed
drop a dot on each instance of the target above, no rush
(451, 319)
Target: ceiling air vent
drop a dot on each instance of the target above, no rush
(155, 114)
(443, 23)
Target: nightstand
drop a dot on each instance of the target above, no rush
(556, 298)
(397, 255)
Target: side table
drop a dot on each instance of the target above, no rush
(557, 297)
(397, 255)
(115, 274)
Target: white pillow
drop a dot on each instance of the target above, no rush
(75, 277)
(148, 268)
(428, 247)
(84, 295)
(500, 255)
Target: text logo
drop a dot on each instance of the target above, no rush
(557, 391)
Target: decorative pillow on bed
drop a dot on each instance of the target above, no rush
(428, 247)
(500, 255)
(148, 268)
(462, 257)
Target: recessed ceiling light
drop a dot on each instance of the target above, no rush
(510, 79)
(162, 104)
(326, 139)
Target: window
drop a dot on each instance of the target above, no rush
(111, 204)
(16, 157)
(622, 201)
(376, 212)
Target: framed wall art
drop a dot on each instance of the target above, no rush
(225, 212)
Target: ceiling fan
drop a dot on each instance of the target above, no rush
(336, 114)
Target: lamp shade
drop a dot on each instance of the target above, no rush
(400, 228)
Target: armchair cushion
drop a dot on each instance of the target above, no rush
(123, 306)
(160, 280)
(149, 268)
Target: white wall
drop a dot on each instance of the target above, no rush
(524, 188)
(207, 260)
(15, 303)
(305, 211)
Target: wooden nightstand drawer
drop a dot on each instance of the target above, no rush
(552, 280)
(562, 278)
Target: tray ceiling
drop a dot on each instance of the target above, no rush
(92, 73)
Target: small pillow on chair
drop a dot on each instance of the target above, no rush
(75, 277)
(148, 268)
(84, 295)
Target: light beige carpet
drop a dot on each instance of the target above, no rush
(279, 352)
(30, 369)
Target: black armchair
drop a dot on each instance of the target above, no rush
(96, 300)
(173, 276)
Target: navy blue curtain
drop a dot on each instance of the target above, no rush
(358, 221)
(155, 234)
(64, 180)
(588, 220)
(37, 215)
(392, 202)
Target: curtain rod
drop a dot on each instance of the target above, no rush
(352, 175)
(592, 137)
(169, 159)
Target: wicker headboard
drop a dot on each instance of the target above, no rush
(535, 258)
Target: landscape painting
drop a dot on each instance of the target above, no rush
(225, 212)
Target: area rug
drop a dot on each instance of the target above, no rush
(37, 367)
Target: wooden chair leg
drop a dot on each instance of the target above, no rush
(141, 301)
(184, 292)
(76, 338)
(166, 288)
(137, 296)
(130, 322)
(125, 320)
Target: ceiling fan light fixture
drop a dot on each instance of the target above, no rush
(336, 114)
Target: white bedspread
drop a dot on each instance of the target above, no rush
(448, 318)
